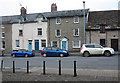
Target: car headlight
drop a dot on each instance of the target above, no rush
(65, 51)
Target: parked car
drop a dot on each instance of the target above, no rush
(96, 49)
(22, 52)
(53, 51)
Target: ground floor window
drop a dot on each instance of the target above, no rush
(54, 44)
(3, 44)
(43, 43)
(76, 44)
(102, 42)
(17, 43)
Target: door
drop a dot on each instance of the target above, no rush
(114, 44)
(64, 45)
(29, 45)
(37, 45)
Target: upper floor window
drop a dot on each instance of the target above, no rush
(39, 20)
(76, 19)
(58, 32)
(58, 20)
(20, 32)
(76, 32)
(102, 29)
(3, 35)
(39, 31)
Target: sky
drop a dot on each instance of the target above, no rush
(12, 7)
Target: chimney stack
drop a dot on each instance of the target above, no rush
(23, 12)
(53, 7)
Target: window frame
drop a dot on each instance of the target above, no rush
(56, 44)
(17, 43)
(43, 42)
(56, 33)
(58, 20)
(73, 45)
(74, 32)
(102, 28)
(20, 33)
(2, 35)
(39, 31)
(3, 47)
(75, 19)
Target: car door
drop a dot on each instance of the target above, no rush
(55, 51)
(90, 48)
(98, 49)
(48, 51)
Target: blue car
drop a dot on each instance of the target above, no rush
(53, 51)
(22, 52)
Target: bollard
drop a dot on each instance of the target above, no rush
(13, 66)
(27, 66)
(2, 53)
(43, 67)
(59, 67)
(75, 73)
(1, 65)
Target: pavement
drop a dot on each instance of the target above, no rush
(36, 74)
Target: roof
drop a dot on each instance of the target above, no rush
(32, 17)
(109, 18)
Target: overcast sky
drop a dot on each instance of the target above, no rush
(12, 7)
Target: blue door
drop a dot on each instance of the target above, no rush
(30, 45)
(37, 45)
(64, 45)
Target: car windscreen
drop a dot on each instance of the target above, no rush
(89, 46)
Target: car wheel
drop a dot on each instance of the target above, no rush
(107, 53)
(26, 55)
(13, 55)
(86, 54)
(44, 55)
(61, 55)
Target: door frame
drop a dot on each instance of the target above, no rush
(28, 44)
(117, 43)
(38, 45)
(64, 39)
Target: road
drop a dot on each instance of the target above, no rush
(94, 62)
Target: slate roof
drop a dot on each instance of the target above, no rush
(32, 17)
(109, 18)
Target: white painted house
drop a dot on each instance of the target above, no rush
(30, 34)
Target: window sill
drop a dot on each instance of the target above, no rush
(76, 22)
(76, 47)
(75, 35)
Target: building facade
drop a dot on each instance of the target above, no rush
(31, 34)
(66, 29)
(104, 28)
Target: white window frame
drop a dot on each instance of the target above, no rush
(74, 32)
(58, 22)
(56, 33)
(2, 26)
(39, 30)
(44, 42)
(76, 46)
(52, 43)
(2, 35)
(2, 45)
(75, 20)
(18, 43)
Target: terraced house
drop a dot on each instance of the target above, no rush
(104, 28)
(66, 29)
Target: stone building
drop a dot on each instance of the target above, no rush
(104, 28)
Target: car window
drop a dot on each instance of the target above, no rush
(48, 48)
(89, 46)
(54, 49)
(97, 46)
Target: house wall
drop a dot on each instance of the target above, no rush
(7, 39)
(67, 25)
(95, 36)
(30, 32)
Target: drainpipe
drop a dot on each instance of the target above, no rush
(84, 19)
